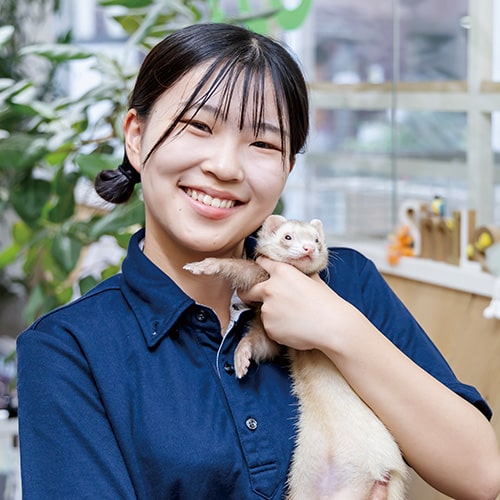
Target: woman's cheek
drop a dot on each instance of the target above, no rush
(275, 180)
(268, 171)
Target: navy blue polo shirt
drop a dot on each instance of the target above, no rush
(129, 392)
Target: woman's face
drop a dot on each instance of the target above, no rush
(209, 184)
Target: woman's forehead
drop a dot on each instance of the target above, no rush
(249, 95)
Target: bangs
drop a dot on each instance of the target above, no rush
(253, 93)
(222, 77)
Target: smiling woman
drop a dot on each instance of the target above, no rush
(228, 146)
(129, 392)
(206, 199)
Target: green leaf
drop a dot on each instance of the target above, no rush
(130, 4)
(80, 126)
(290, 19)
(11, 358)
(21, 151)
(21, 233)
(34, 108)
(149, 21)
(35, 304)
(123, 239)
(111, 270)
(54, 273)
(41, 299)
(64, 295)
(29, 198)
(31, 259)
(6, 33)
(58, 156)
(79, 229)
(130, 24)
(118, 219)
(6, 83)
(87, 283)
(90, 165)
(9, 88)
(56, 52)
(64, 186)
(65, 206)
(66, 251)
(9, 255)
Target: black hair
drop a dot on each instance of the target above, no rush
(230, 53)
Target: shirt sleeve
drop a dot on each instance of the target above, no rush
(376, 300)
(68, 449)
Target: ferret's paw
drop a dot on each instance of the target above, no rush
(205, 266)
(242, 357)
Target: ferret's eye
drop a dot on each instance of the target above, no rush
(316, 240)
(288, 237)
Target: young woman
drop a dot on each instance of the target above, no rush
(129, 392)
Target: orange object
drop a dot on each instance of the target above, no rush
(400, 245)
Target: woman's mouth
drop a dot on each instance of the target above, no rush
(208, 200)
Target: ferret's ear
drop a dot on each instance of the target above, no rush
(272, 223)
(318, 225)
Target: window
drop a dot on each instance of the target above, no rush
(404, 99)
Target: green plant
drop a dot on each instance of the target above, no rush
(51, 145)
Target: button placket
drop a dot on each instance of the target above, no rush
(264, 465)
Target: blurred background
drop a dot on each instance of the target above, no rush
(405, 106)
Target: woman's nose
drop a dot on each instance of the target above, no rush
(224, 160)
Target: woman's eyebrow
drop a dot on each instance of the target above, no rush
(265, 126)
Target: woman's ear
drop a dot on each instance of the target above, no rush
(292, 164)
(132, 131)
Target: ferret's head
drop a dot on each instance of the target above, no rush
(301, 244)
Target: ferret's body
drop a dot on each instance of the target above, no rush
(342, 448)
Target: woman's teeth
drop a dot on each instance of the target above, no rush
(208, 200)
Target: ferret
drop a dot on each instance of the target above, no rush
(341, 447)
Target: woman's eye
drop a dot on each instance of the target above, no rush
(265, 145)
(203, 127)
(200, 126)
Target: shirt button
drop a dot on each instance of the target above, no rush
(228, 368)
(251, 424)
(201, 316)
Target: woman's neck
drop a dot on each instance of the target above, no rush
(211, 291)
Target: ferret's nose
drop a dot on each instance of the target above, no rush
(308, 248)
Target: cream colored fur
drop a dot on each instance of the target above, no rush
(342, 448)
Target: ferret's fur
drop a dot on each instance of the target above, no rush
(341, 448)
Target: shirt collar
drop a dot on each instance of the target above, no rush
(153, 296)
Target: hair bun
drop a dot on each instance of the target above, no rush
(130, 173)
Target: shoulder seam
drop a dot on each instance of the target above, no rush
(97, 290)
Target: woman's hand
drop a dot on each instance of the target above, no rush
(294, 309)
(460, 455)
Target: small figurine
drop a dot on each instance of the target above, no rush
(401, 245)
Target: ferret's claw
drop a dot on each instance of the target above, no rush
(205, 266)
(242, 357)
(192, 267)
